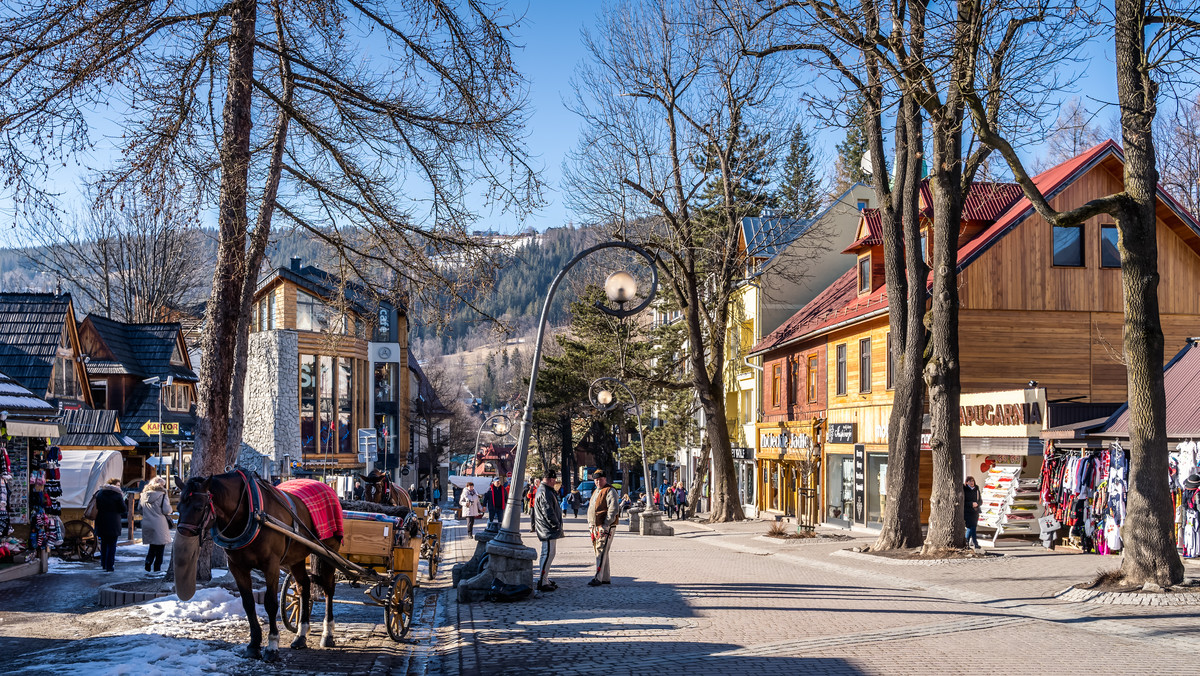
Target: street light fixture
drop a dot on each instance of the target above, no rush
(499, 427)
(155, 381)
(620, 288)
(603, 400)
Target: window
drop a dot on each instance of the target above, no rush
(795, 388)
(863, 204)
(775, 377)
(841, 368)
(864, 365)
(306, 311)
(1068, 246)
(890, 360)
(813, 365)
(177, 397)
(1110, 255)
(747, 407)
(271, 312)
(925, 246)
(864, 274)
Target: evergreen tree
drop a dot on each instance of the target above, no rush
(852, 149)
(750, 166)
(800, 188)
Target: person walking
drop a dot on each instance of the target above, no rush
(575, 500)
(156, 522)
(603, 514)
(107, 506)
(548, 524)
(495, 499)
(971, 501)
(680, 500)
(470, 507)
(660, 496)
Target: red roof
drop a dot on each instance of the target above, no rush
(1182, 380)
(874, 231)
(984, 203)
(839, 303)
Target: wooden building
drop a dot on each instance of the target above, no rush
(39, 347)
(1041, 316)
(327, 359)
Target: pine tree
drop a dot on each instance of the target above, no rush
(800, 188)
(852, 149)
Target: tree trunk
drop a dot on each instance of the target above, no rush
(218, 341)
(947, 529)
(901, 526)
(568, 450)
(1150, 554)
(724, 504)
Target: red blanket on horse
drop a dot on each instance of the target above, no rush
(322, 503)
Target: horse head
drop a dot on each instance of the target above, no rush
(195, 514)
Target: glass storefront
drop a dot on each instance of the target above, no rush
(387, 412)
(745, 479)
(839, 489)
(329, 397)
(876, 487)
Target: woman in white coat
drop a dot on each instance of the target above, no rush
(471, 507)
(156, 521)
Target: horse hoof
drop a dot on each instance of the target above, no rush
(252, 652)
(300, 643)
(327, 642)
(270, 655)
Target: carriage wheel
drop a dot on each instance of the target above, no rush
(79, 541)
(432, 555)
(398, 613)
(291, 606)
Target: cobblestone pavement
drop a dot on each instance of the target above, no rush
(711, 600)
(727, 601)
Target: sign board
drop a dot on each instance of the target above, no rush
(367, 444)
(150, 428)
(1011, 413)
(742, 453)
(841, 433)
(404, 471)
(860, 483)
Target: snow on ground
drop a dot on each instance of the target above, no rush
(207, 605)
(142, 654)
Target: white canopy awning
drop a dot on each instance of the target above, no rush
(83, 472)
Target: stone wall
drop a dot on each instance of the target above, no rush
(272, 425)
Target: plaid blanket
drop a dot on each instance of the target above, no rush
(322, 503)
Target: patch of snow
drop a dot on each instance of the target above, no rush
(214, 603)
(134, 550)
(145, 654)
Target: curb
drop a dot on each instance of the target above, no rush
(1077, 595)
(110, 597)
(915, 562)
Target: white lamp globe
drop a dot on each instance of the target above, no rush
(605, 397)
(620, 287)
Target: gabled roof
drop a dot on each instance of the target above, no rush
(142, 350)
(1181, 378)
(810, 316)
(984, 204)
(18, 400)
(93, 429)
(874, 234)
(31, 325)
(764, 237)
(1049, 182)
(142, 407)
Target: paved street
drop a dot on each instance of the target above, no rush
(707, 601)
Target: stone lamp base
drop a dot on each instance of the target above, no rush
(510, 564)
(652, 523)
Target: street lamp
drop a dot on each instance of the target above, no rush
(621, 288)
(155, 381)
(500, 427)
(604, 400)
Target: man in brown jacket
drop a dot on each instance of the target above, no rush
(603, 513)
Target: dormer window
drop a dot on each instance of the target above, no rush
(864, 274)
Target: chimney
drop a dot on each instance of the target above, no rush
(295, 264)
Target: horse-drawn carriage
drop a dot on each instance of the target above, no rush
(281, 527)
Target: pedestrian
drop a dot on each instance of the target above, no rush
(603, 514)
(669, 501)
(971, 502)
(548, 524)
(156, 522)
(660, 496)
(437, 492)
(470, 507)
(106, 507)
(680, 500)
(358, 490)
(575, 499)
(495, 499)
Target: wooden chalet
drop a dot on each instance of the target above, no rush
(39, 347)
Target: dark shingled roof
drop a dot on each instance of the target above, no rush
(142, 350)
(92, 429)
(325, 286)
(142, 407)
(19, 400)
(31, 325)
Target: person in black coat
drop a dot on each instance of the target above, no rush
(971, 501)
(110, 505)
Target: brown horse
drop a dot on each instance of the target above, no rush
(379, 489)
(225, 503)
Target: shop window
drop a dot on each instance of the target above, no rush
(864, 365)
(841, 368)
(796, 386)
(813, 365)
(864, 274)
(308, 404)
(1068, 246)
(775, 378)
(890, 360)
(1110, 255)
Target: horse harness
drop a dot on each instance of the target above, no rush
(255, 514)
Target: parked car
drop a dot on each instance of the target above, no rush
(586, 488)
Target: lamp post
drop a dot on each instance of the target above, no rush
(601, 394)
(500, 426)
(620, 288)
(155, 381)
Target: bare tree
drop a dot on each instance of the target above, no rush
(125, 259)
(1155, 42)
(1178, 149)
(1072, 133)
(679, 130)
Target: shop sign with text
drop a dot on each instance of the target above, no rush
(841, 433)
(1012, 413)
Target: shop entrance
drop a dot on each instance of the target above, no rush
(839, 489)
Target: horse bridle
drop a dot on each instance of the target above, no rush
(209, 515)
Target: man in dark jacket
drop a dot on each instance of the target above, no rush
(548, 523)
(495, 498)
(110, 505)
